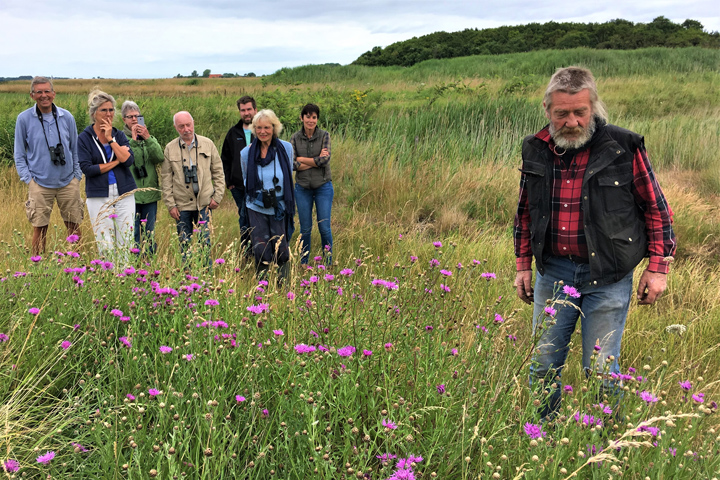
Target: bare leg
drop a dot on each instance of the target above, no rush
(38, 240)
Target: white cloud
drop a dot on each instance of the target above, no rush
(85, 38)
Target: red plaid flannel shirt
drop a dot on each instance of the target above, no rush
(567, 236)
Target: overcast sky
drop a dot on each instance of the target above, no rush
(161, 38)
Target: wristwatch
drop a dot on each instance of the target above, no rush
(111, 141)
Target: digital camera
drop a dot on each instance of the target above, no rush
(57, 154)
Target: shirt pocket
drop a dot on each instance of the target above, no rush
(616, 188)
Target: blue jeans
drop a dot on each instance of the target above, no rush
(145, 231)
(604, 311)
(322, 197)
(188, 221)
(245, 240)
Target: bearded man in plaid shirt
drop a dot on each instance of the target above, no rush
(590, 211)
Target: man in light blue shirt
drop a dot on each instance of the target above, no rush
(46, 159)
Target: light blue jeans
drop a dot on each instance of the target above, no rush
(604, 311)
(322, 197)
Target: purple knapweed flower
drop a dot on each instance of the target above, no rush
(72, 238)
(278, 332)
(36, 258)
(440, 388)
(389, 424)
(571, 291)
(79, 448)
(437, 244)
(165, 349)
(46, 458)
(219, 261)
(367, 353)
(444, 288)
(499, 318)
(258, 309)
(346, 351)
(211, 302)
(130, 396)
(550, 311)
(346, 272)
(534, 431)
(447, 273)
(239, 398)
(3, 338)
(685, 385)
(699, 397)
(647, 397)
(11, 465)
(487, 275)
(65, 345)
(302, 348)
(33, 310)
(153, 392)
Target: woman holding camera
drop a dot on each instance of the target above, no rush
(269, 196)
(105, 158)
(313, 182)
(148, 154)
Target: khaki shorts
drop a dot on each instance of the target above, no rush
(40, 203)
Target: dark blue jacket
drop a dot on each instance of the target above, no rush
(96, 183)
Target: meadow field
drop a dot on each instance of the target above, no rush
(406, 359)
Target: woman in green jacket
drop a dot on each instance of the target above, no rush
(148, 154)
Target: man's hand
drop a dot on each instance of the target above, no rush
(324, 152)
(213, 204)
(175, 213)
(523, 284)
(651, 287)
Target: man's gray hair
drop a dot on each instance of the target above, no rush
(38, 80)
(129, 106)
(180, 113)
(269, 116)
(573, 80)
(97, 98)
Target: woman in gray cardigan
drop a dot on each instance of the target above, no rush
(313, 182)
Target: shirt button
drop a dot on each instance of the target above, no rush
(592, 254)
(568, 181)
(617, 183)
(563, 228)
(564, 248)
(595, 282)
(630, 239)
(566, 205)
(585, 197)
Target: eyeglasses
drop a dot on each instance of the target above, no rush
(106, 110)
(42, 92)
(131, 117)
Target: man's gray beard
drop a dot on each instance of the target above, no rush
(562, 142)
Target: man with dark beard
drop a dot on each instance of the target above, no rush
(237, 138)
(590, 210)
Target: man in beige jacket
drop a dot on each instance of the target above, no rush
(193, 182)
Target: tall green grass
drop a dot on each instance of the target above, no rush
(603, 63)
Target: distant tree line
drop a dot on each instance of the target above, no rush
(616, 34)
(206, 74)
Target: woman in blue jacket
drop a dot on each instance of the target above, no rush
(105, 158)
(269, 195)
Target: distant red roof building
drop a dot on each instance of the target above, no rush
(215, 75)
